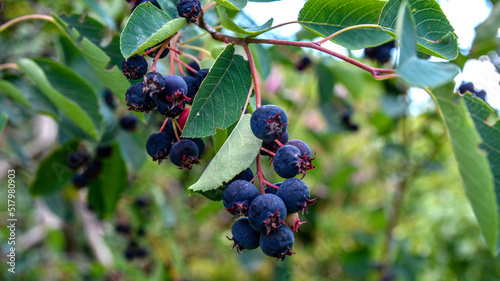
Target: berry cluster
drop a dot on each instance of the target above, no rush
(88, 168)
(263, 223)
(169, 95)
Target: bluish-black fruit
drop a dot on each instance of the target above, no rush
(246, 175)
(302, 146)
(168, 110)
(137, 100)
(272, 190)
(169, 130)
(194, 65)
(295, 194)
(123, 228)
(93, 169)
(129, 122)
(200, 144)
(154, 84)
(80, 180)
(244, 236)
(192, 88)
(272, 145)
(380, 53)
(268, 122)
(184, 154)
(266, 213)
(158, 146)
(347, 122)
(104, 151)
(288, 162)
(201, 75)
(109, 99)
(157, 47)
(189, 9)
(77, 159)
(303, 63)
(278, 244)
(134, 67)
(142, 202)
(237, 197)
(175, 91)
(466, 86)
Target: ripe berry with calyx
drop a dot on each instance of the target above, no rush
(266, 213)
(289, 162)
(137, 100)
(237, 197)
(302, 146)
(168, 110)
(184, 154)
(272, 145)
(158, 146)
(154, 85)
(189, 9)
(295, 194)
(175, 91)
(244, 236)
(134, 67)
(269, 122)
(278, 244)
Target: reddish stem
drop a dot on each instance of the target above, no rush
(157, 57)
(255, 75)
(179, 65)
(164, 123)
(260, 175)
(270, 184)
(186, 65)
(268, 151)
(278, 142)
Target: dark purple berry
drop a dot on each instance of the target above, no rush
(189, 9)
(109, 98)
(246, 175)
(154, 84)
(302, 146)
(266, 213)
(295, 194)
(134, 67)
(380, 53)
(136, 3)
(77, 159)
(201, 75)
(168, 110)
(184, 154)
(157, 48)
(466, 86)
(272, 145)
(137, 100)
(192, 88)
(169, 130)
(158, 146)
(123, 228)
(278, 244)
(200, 144)
(271, 189)
(80, 180)
(104, 151)
(347, 122)
(303, 63)
(268, 122)
(237, 197)
(194, 65)
(175, 91)
(93, 169)
(288, 162)
(129, 122)
(244, 236)
(481, 94)
(142, 202)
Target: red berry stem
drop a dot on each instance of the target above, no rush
(186, 65)
(164, 123)
(278, 142)
(270, 184)
(260, 175)
(255, 75)
(179, 64)
(176, 127)
(157, 57)
(268, 151)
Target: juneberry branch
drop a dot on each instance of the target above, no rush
(255, 75)
(319, 42)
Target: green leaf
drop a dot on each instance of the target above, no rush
(237, 153)
(234, 5)
(99, 60)
(132, 149)
(219, 139)
(106, 189)
(53, 173)
(472, 162)
(221, 96)
(146, 27)
(4, 118)
(79, 102)
(14, 93)
(435, 35)
(231, 25)
(325, 17)
(486, 34)
(101, 12)
(490, 135)
(416, 71)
